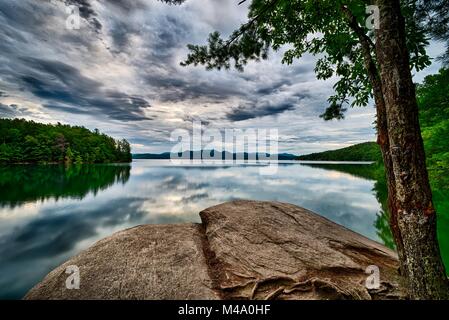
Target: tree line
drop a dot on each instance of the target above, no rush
(23, 141)
(367, 151)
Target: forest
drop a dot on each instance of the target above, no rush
(366, 151)
(23, 141)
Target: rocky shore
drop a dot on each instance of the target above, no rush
(241, 250)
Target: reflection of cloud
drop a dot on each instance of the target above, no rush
(49, 238)
(339, 196)
(339, 175)
(11, 213)
(195, 197)
(280, 182)
(51, 234)
(53, 237)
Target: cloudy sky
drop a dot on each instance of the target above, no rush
(120, 73)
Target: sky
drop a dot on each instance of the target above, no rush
(120, 73)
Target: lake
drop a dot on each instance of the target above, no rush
(49, 213)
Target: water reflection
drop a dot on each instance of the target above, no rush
(50, 213)
(380, 190)
(23, 183)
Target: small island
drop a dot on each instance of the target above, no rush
(25, 141)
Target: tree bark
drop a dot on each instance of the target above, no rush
(413, 217)
(367, 47)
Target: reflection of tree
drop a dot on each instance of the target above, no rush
(382, 222)
(441, 200)
(376, 173)
(21, 183)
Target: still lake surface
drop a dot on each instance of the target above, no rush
(50, 213)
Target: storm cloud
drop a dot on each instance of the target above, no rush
(120, 73)
(61, 84)
(245, 113)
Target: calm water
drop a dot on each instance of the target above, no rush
(50, 213)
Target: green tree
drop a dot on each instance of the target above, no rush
(368, 63)
(59, 147)
(69, 156)
(78, 159)
(6, 152)
(43, 143)
(433, 100)
(434, 15)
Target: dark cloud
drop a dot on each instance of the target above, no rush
(274, 88)
(190, 119)
(6, 111)
(64, 108)
(177, 89)
(121, 33)
(162, 37)
(128, 5)
(66, 89)
(20, 17)
(160, 71)
(165, 36)
(242, 113)
(13, 110)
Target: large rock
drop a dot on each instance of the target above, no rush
(266, 250)
(145, 262)
(242, 250)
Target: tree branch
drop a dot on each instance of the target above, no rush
(354, 25)
(247, 25)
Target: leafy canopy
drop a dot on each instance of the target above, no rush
(433, 101)
(434, 16)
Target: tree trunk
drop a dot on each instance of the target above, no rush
(413, 217)
(367, 47)
(384, 143)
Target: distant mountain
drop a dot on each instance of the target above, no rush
(367, 151)
(287, 156)
(165, 155)
(224, 155)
